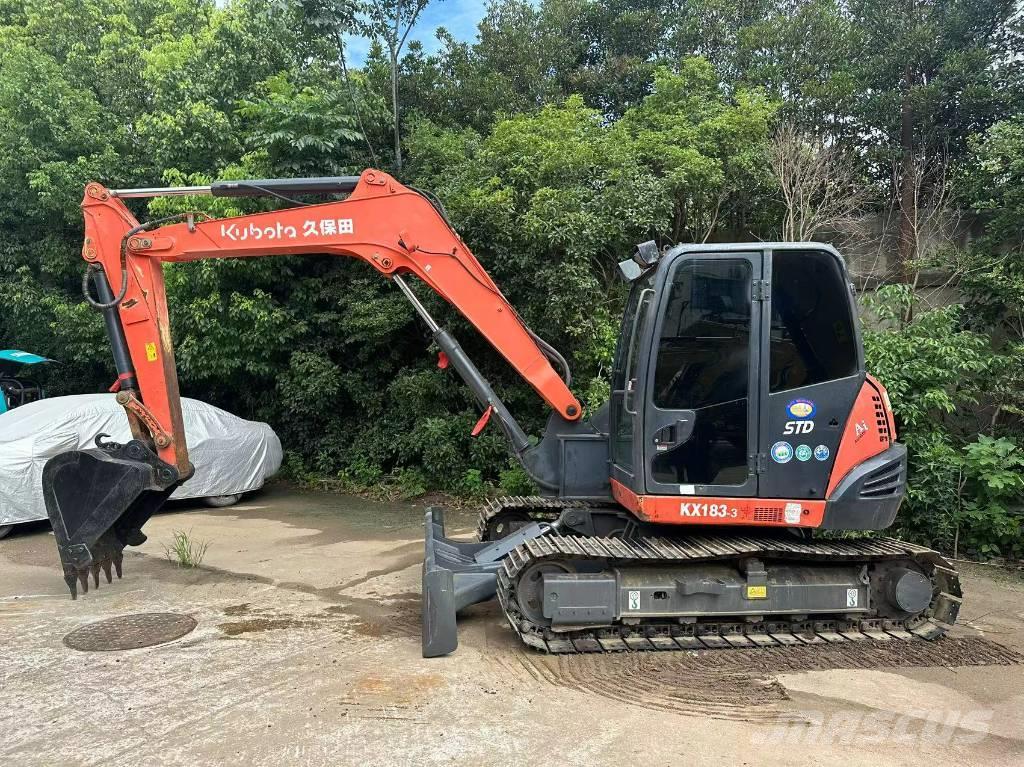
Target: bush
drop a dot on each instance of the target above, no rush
(964, 490)
(989, 523)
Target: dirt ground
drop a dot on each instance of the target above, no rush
(307, 652)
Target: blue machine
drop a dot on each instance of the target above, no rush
(14, 389)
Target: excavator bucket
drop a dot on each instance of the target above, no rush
(98, 500)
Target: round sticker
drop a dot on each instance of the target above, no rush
(801, 408)
(821, 453)
(782, 452)
(803, 452)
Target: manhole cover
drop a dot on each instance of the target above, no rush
(130, 632)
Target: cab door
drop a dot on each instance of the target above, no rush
(701, 400)
(626, 399)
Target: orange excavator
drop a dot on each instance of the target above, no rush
(692, 510)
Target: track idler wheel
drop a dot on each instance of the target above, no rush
(530, 589)
(909, 590)
(98, 500)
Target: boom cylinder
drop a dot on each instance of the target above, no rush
(482, 389)
(469, 373)
(115, 332)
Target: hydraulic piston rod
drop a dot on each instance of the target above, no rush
(260, 187)
(469, 372)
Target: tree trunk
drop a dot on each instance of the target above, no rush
(394, 109)
(908, 183)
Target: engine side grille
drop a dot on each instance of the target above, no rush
(767, 514)
(883, 482)
(884, 433)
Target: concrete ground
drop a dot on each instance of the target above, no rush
(307, 652)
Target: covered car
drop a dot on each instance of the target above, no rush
(231, 455)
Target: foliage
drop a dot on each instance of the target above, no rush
(931, 366)
(302, 129)
(964, 488)
(993, 490)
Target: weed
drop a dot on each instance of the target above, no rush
(185, 550)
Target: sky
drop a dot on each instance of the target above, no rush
(459, 17)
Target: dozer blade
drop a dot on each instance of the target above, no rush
(98, 500)
(457, 574)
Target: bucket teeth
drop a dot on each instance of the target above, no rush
(98, 500)
(77, 578)
(71, 578)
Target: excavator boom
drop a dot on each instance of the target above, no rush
(393, 228)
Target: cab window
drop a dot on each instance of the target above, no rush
(703, 365)
(812, 334)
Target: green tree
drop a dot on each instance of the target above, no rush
(390, 22)
(991, 269)
(711, 153)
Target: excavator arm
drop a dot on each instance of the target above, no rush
(99, 499)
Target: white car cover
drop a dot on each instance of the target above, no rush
(231, 455)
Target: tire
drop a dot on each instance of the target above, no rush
(5, 529)
(220, 501)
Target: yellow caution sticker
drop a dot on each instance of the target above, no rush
(151, 352)
(757, 592)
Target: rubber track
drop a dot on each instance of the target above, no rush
(671, 635)
(536, 507)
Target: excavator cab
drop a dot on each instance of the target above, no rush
(739, 400)
(738, 368)
(713, 337)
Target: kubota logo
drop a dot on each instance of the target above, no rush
(324, 227)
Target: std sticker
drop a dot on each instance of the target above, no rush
(821, 452)
(151, 351)
(851, 597)
(801, 408)
(634, 600)
(803, 452)
(798, 427)
(757, 592)
(782, 452)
